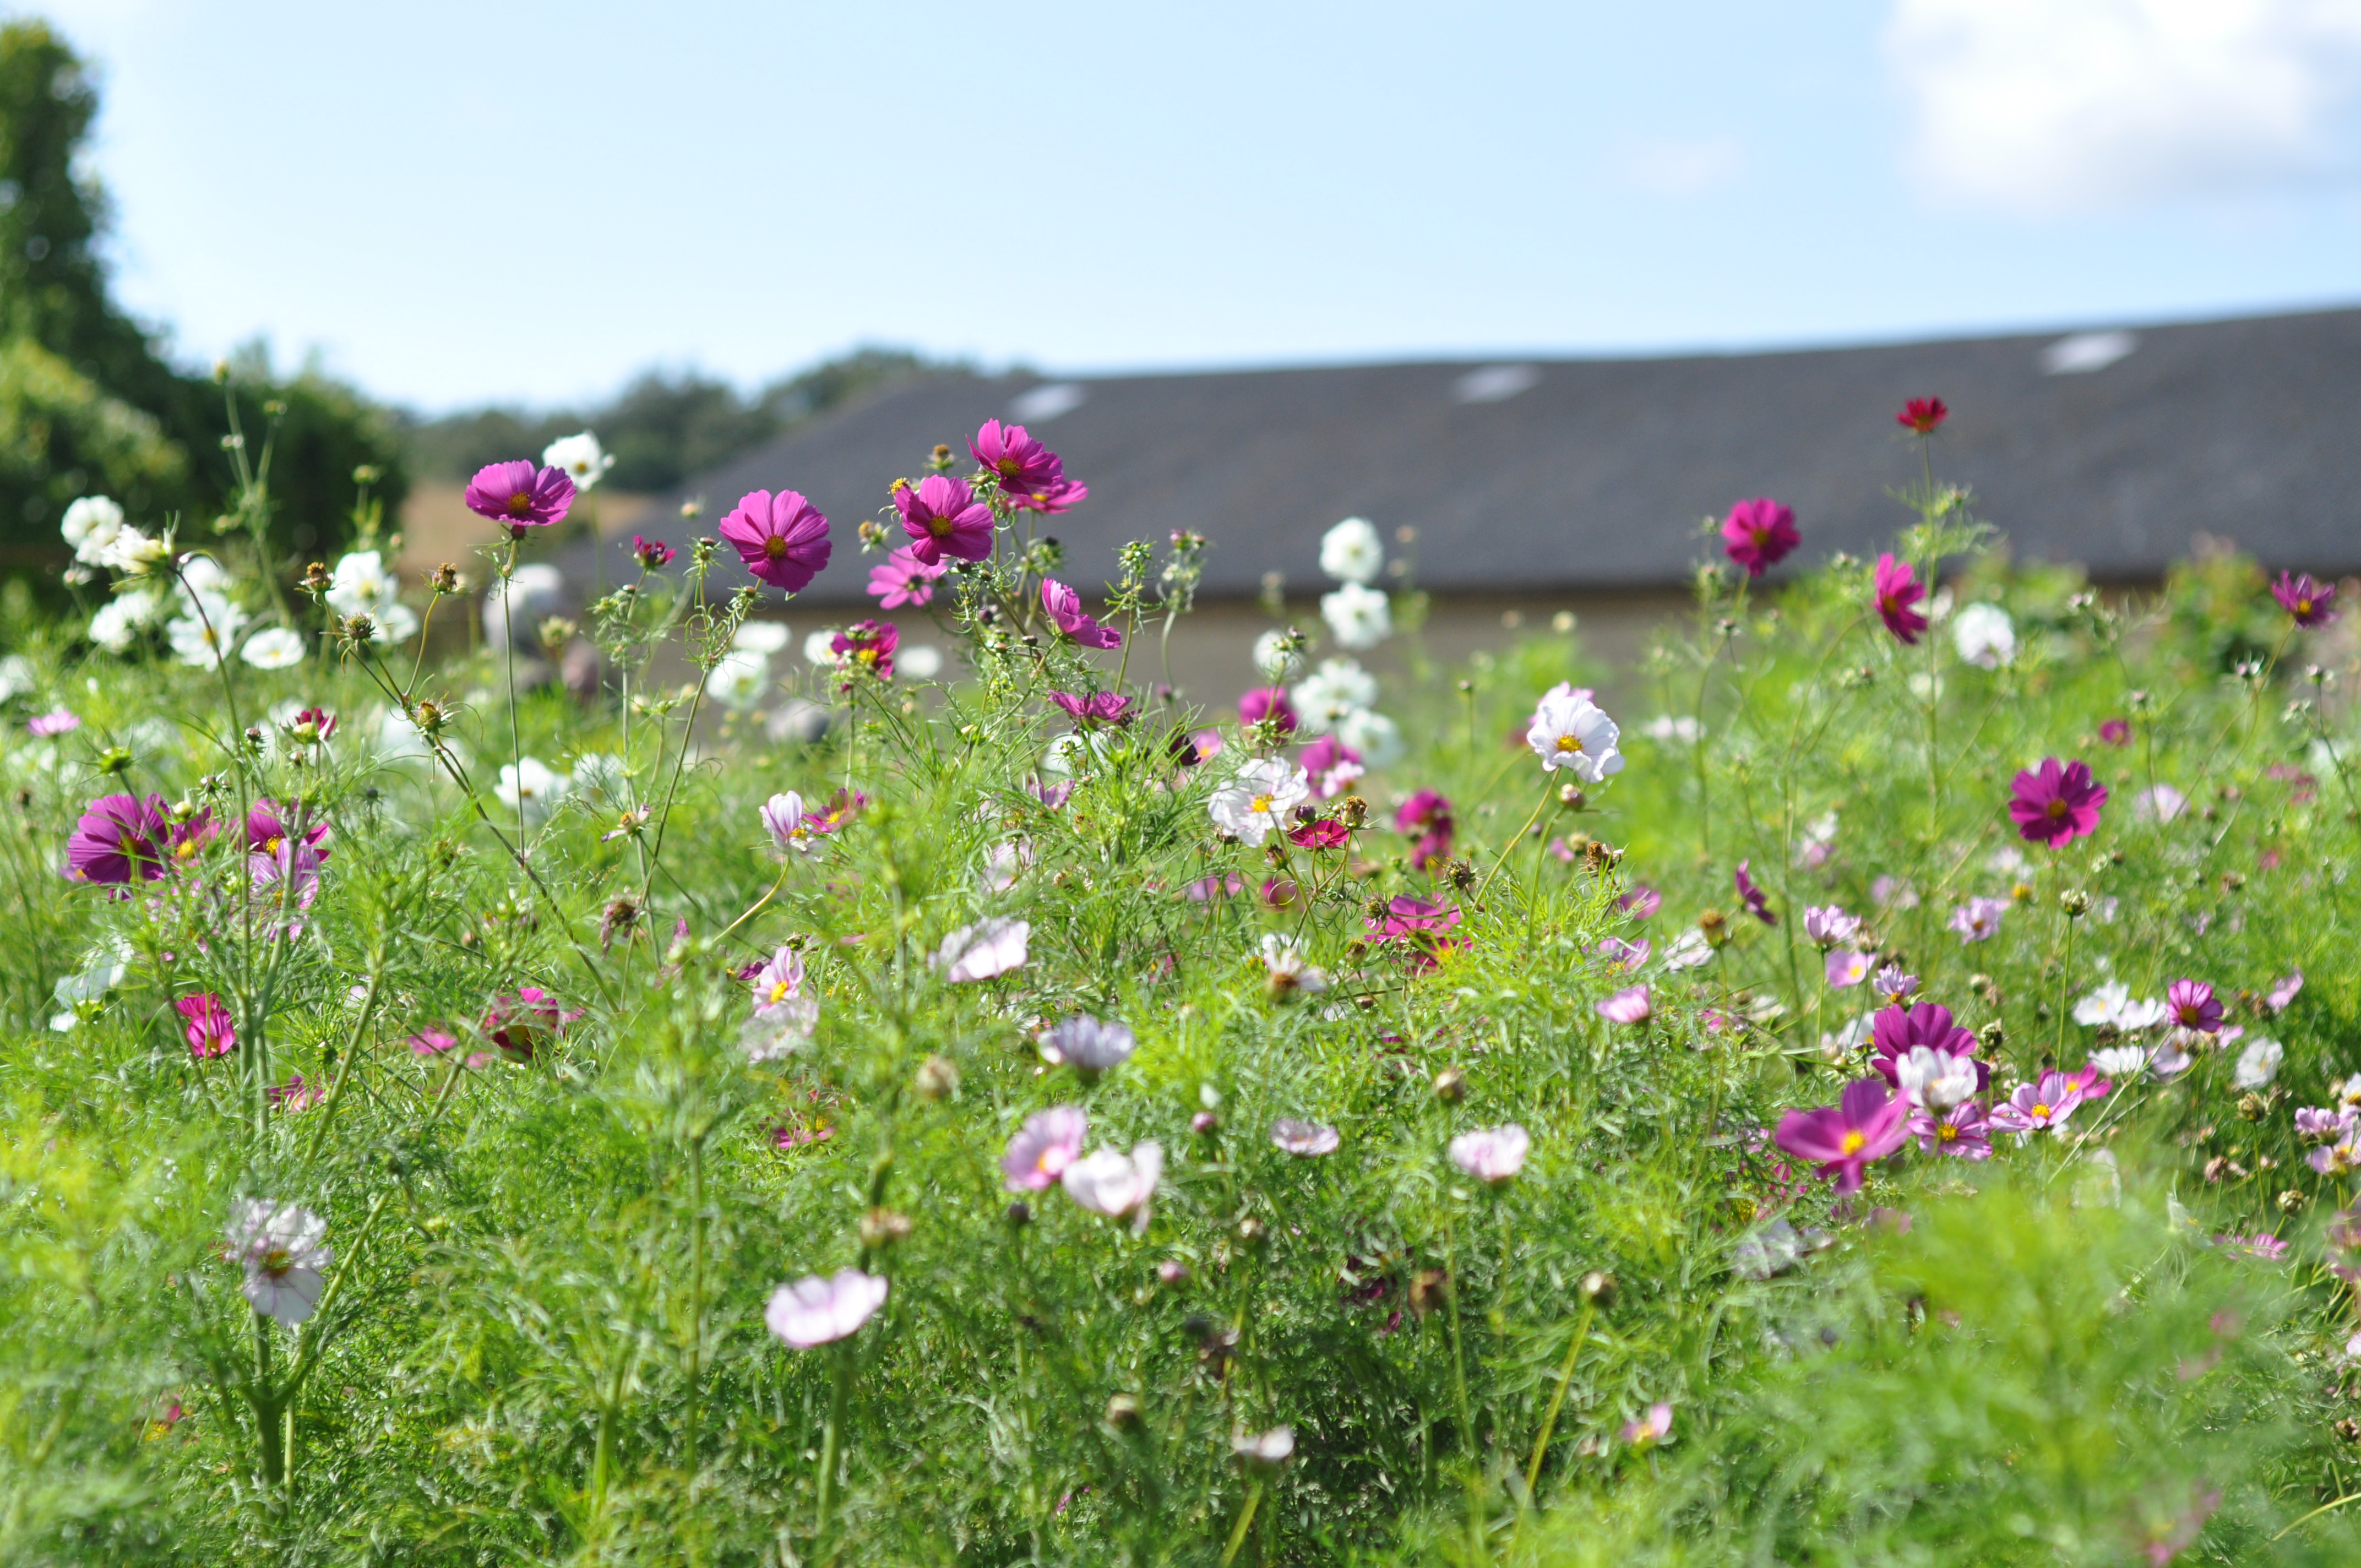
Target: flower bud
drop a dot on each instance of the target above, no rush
(1716, 927)
(880, 1228)
(937, 1078)
(316, 579)
(1205, 1123)
(1174, 1272)
(2292, 1201)
(446, 579)
(1597, 1289)
(1020, 1214)
(2075, 903)
(1451, 1086)
(1992, 1037)
(1569, 798)
(1123, 1409)
(1251, 1229)
(1429, 1289)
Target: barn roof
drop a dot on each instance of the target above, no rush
(2112, 448)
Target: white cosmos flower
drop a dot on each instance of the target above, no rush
(816, 1311)
(1372, 734)
(1322, 699)
(203, 640)
(584, 460)
(282, 1248)
(2260, 1062)
(1568, 731)
(1277, 655)
(1688, 950)
(1357, 616)
(120, 618)
(739, 678)
(761, 636)
(1351, 552)
(817, 649)
(133, 553)
(274, 648)
(363, 584)
(1115, 1184)
(15, 676)
(89, 525)
(1256, 803)
(530, 782)
(918, 660)
(1934, 1080)
(1984, 635)
(979, 952)
(2112, 1003)
(535, 588)
(604, 774)
(2124, 1062)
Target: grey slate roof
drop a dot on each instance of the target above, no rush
(1592, 473)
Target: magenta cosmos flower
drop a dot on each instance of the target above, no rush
(1922, 416)
(210, 1032)
(1759, 533)
(1752, 896)
(2115, 732)
(1864, 1127)
(1266, 704)
(1895, 1032)
(524, 1021)
(1640, 902)
(1065, 606)
(2306, 600)
(1099, 708)
(867, 646)
(942, 518)
(1426, 817)
(651, 553)
(118, 839)
(2056, 803)
(2191, 1004)
(1331, 765)
(520, 493)
(1030, 475)
(782, 538)
(1628, 1006)
(265, 830)
(905, 579)
(1898, 589)
(1049, 1141)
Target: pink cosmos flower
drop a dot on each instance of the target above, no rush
(524, 1021)
(2046, 1102)
(1828, 926)
(1624, 956)
(866, 645)
(1266, 704)
(1204, 745)
(814, 1311)
(432, 1042)
(210, 1031)
(782, 538)
(265, 830)
(2115, 732)
(1895, 1032)
(989, 948)
(1305, 1140)
(1651, 1429)
(1204, 890)
(1049, 1141)
(1030, 475)
(118, 839)
(1847, 967)
(1322, 833)
(1099, 708)
(1759, 533)
(295, 1094)
(903, 579)
(1863, 1127)
(1281, 892)
(1420, 924)
(790, 825)
(1898, 589)
(2306, 600)
(1331, 765)
(1960, 1132)
(284, 882)
(1625, 1006)
(2283, 990)
(2056, 803)
(520, 493)
(942, 518)
(1087, 1044)
(2262, 1244)
(1978, 920)
(1642, 902)
(1064, 607)
(185, 840)
(2317, 1125)
(283, 1249)
(2190, 1004)
(651, 553)
(1427, 816)
(1492, 1155)
(1752, 896)
(57, 721)
(1892, 987)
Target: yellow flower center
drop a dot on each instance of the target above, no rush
(1945, 1133)
(1261, 804)
(277, 1262)
(2303, 606)
(1854, 1141)
(779, 989)
(775, 547)
(940, 527)
(270, 845)
(520, 503)
(2057, 808)
(1568, 743)
(2040, 1112)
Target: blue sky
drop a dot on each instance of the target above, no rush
(453, 203)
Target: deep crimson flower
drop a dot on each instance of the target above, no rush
(903, 579)
(942, 518)
(524, 1021)
(520, 493)
(1030, 475)
(1099, 708)
(1922, 415)
(2306, 600)
(2191, 1004)
(651, 553)
(1759, 533)
(1322, 833)
(2056, 803)
(118, 839)
(1895, 1032)
(1267, 703)
(1863, 1127)
(782, 538)
(1065, 606)
(1752, 896)
(1428, 816)
(2115, 732)
(210, 1031)
(1898, 588)
(867, 646)
(265, 831)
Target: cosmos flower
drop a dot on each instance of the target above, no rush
(2056, 803)
(2283, 990)
(2191, 1004)
(1688, 950)
(990, 947)
(1828, 926)
(210, 1030)
(1922, 415)
(1627, 1006)
(1492, 1155)
(1306, 1140)
(1064, 607)
(782, 539)
(200, 641)
(1568, 731)
(1898, 589)
(274, 648)
(1262, 705)
(89, 525)
(1030, 475)
(1651, 1429)
(521, 495)
(1351, 552)
(2305, 601)
(1962, 1132)
(1622, 956)
(1115, 1184)
(1289, 972)
(903, 579)
(790, 825)
(1099, 708)
(2115, 732)
(2314, 1124)
(942, 518)
(580, 458)
(119, 836)
(1759, 533)
(2258, 1063)
(1319, 833)
(1846, 968)
(2112, 1003)
(1984, 635)
(814, 1311)
(1640, 902)
(266, 829)
(57, 721)
(1267, 1449)
(1333, 693)
(1933, 1080)
(1425, 817)
(1257, 802)
(652, 554)
(282, 1249)
(866, 647)
(2046, 1102)
(1357, 616)
(1978, 920)
(1086, 1045)
(1897, 1032)
(1863, 1127)
(1049, 1141)
(1752, 897)
(524, 1021)
(529, 786)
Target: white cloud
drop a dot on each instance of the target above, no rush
(1682, 166)
(2048, 106)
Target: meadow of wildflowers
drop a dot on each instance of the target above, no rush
(1895, 1097)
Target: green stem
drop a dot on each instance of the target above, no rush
(1565, 1381)
(839, 1400)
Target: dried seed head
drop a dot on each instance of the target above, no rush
(1429, 1289)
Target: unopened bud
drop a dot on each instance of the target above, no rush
(1598, 1288)
(1354, 813)
(1174, 1272)
(1020, 1214)
(315, 578)
(880, 1228)
(2075, 903)
(1123, 1409)
(1569, 798)
(1716, 927)
(937, 1078)
(1451, 1086)
(446, 579)
(1992, 1036)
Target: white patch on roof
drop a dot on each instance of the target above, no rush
(2081, 353)
(1036, 405)
(1495, 383)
